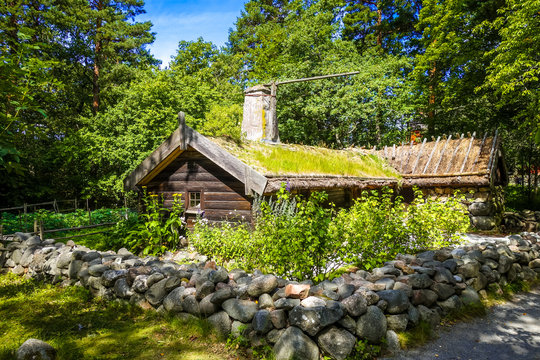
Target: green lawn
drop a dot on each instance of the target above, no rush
(82, 327)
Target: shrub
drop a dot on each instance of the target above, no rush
(160, 228)
(306, 239)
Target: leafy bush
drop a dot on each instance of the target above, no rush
(160, 228)
(306, 239)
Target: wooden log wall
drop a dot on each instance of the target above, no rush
(222, 196)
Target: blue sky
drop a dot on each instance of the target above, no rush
(187, 20)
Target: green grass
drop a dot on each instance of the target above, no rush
(299, 159)
(82, 327)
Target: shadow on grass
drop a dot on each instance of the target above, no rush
(81, 327)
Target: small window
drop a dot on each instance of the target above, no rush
(194, 199)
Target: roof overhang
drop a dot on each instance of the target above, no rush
(177, 143)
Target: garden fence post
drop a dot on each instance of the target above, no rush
(25, 225)
(1, 232)
(41, 230)
(125, 207)
(35, 225)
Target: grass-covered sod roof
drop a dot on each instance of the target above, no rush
(287, 159)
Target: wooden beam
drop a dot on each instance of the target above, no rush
(479, 152)
(454, 153)
(431, 155)
(418, 156)
(491, 153)
(468, 151)
(442, 154)
(408, 157)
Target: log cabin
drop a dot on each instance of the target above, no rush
(219, 178)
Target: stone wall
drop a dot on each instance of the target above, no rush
(485, 204)
(298, 320)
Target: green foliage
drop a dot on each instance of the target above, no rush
(379, 225)
(52, 220)
(365, 351)
(517, 198)
(223, 120)
(305, 239)
(160, 228)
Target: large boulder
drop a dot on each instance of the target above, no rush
(397, 300)
(314, 319)
(34, 349)
(372, 325)
(241, 310)
(294, 344)
(262, 284)
(221, 323)
(336, 343)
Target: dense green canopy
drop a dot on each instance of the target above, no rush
(83, 100)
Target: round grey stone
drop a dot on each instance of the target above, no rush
(372, 325)
(294, 344)
(241, 310)
(34, 349)
(355, 305)
(336, 343)
(262, 284)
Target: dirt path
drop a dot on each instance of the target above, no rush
(509, 331)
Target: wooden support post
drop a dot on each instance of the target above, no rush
(75, 204)
(272, 132)
(1, 232)
(36, 228)
(55, 206)
(125, 207)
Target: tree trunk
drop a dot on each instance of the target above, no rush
(97, 60)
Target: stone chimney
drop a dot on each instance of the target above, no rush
(260, 119)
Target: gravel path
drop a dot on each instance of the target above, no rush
(509, 331)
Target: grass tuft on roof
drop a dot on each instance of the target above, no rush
(287, 159)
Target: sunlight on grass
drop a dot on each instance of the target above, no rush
(81, 327)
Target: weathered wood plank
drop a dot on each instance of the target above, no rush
(227, 205)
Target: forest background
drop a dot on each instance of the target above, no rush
(83, 101)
